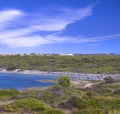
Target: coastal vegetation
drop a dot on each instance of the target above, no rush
(52, 63)
(103, 97)
(6, 94)
(64, 98)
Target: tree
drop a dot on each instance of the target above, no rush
(64, 81)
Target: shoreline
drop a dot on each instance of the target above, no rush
(86, 76)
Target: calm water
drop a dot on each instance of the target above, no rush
(22, 81)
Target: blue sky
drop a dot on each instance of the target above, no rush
(59, 26)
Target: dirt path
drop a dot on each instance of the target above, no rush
(2, 102)
(88, 85)
(81, 84)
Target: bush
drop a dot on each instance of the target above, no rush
(64, 81)
(90, 111)
(96, 111)
(33, 104)
(82, 112)
(117, 91)
(90, 94)
(74, 102)
(77, 102)
(9, 68)
(109, 79)
(52, 111)
(50, 97)
(8, 93)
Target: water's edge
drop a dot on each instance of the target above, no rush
(86, 76)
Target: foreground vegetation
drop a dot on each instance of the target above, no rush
(83, 63)
(63, 98)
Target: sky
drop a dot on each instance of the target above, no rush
(59, 26)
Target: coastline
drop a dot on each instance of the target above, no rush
(86, 76)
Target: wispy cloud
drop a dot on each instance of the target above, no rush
(99, 38)
(20, 29)
(36, 40)
(7, 16)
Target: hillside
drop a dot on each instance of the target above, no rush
(80, 64)
(63, 98)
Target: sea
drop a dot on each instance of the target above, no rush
(23, 81)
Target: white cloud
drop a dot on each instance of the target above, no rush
(8, 15)
(20, 29)
(99, 38)
(61, 19)
(56, 20)
(67, 39)
(31, 41)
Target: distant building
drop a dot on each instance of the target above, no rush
(66, 54)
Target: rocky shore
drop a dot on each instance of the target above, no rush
(84, 76)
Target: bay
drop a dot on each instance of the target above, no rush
(22, 81)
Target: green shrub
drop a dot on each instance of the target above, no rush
(77, 102)
(114, 112)
(4, 94)
(74, 102)
(52, 111)
(117, 91)
(106, 103)
(109, 79)
(33, 104)
(96, 111)
(90, 94)
(10, 108)
(50, 97)
(90, 111)
(64, 81)
(82, 112)
(29, 103)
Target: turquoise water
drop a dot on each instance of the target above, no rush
(22, 81)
